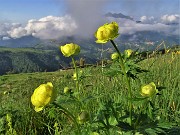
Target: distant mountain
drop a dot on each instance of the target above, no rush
(118, 15)
(26, 41)
(46, 56)
(89, 45)
(143, 36)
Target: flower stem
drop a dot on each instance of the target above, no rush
(65, 111)
(77, 77)
(126, 78)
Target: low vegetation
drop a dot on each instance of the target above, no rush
(130, 94)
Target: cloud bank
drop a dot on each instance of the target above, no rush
(52, 27)
(88, 15)
(147, 20)
(49, 27)
(170, 19)
(168, 24)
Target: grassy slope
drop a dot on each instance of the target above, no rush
(16, 89)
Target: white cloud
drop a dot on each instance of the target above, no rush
(49, 27)
(5, 38)
(88, 15)
(52, 27)
(5, 27)
(149, 20)
(17, 32)
(130, 27)
(170, 19)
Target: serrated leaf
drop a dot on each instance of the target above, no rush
(124, 125)
(166, 125)
(52, 113)
(137, 133)
(112, 73)
(159, 130)
(88, 98)
(124, 133)
(112, 121)
(151, 131)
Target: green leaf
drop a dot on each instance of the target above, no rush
(2, 124)
(159, 130)
(151, 131)
(138, 99)
(124, 125)
(125, 133)
(112, 121)
(166, 125)
(88, 98)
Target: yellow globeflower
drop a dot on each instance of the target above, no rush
(114, 56)
(108, 31)
(149, 90)
(70, 49)
(67, 90)
(128, 52)
(178, 52)
(42, 96)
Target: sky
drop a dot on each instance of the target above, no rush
(65, 17)
(24, 10)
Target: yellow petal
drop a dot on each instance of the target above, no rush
(70, 49)
(107, 32)
(43, 95)
(38, 109)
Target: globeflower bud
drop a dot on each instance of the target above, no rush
(67, 90)
(83, 117)
(80, 73)
(42, 96)
(74, 76)
(178, 52)
(114, 56)
(108, 31)
(128, 52)
(149, 90)
(70, 49)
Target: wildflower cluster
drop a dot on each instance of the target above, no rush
(108, 116)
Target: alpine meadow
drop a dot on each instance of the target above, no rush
(131, 92)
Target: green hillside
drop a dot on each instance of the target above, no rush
(39, 59)
(96, 90)
(19, 60)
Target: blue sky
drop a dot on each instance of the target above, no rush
(51, 19)
(24, 10)
(145, 7)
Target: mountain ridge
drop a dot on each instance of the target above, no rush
(118, 15)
